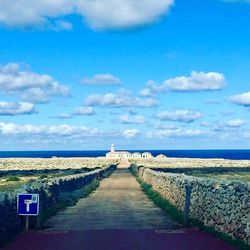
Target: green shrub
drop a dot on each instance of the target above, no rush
(165, 205)
(13, 178)
(43, 176)
(77, 171)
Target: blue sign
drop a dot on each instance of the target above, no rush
(28, 204)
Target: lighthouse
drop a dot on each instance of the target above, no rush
(126, 155)
(112, 148)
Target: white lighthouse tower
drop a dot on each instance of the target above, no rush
(125, 155)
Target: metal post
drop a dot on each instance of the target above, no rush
(27, 222)
(187, 205)
(38, 222)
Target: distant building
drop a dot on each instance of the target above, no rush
(161, 157)
(136, 155)
(117, 154)
(126, 155)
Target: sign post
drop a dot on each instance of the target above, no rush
(27, 205)
(27, 223)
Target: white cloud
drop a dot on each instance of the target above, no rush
(214, 126)
(33, 13)
(47, 130)
(175, 133)
(180, 115)
(79, 111)
(120, 14)
(99, 14)
(102, 79)
(63, 132)
(120, 99)
(21, 108)
(135, 119)
(84, 111)
(152, 88)
(235, 123)
(241, 99)
(197, 81)
(130, 133)
(30, 86)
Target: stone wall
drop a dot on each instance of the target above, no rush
(49, 191)
(223, 205)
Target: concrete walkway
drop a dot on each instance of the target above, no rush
(117, 216)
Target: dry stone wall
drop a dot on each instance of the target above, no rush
(223, 205)
(49, 191)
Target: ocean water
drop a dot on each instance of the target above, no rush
(226, 154)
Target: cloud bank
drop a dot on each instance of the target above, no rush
(130, 133)
(62, 131)
(237, 123)
(181, 115)
(20, 108)
(197, 81)
(98, 14)
(82, 110)
(120, 99)
(31, 87)
(135, 119)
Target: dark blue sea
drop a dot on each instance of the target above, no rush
(226, 154)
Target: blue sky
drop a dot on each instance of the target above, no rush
(144, 75)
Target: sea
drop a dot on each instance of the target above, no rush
(239, 154)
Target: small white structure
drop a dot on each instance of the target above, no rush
(146, 155)
(117, 154)
(136, 155)
(161, 157)
(126, 155)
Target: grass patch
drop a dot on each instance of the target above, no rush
(13, 178)
(232, 176)
(166, 206)
(43, 176)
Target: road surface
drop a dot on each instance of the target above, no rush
(119, 216)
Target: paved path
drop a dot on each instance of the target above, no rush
(117, 204)
(117, 216)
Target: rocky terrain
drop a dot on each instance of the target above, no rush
(165, 162)
(53, 163)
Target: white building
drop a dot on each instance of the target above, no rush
(126, 155)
